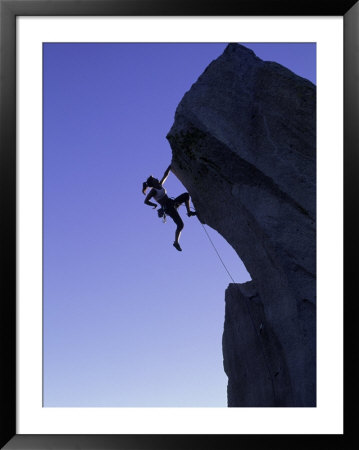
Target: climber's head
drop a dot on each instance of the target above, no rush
(151, 181)
(144, 187)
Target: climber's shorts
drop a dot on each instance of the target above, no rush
(171, 206)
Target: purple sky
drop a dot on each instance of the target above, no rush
(128, 320)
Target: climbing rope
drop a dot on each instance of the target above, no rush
(250, 315)
(217, 252)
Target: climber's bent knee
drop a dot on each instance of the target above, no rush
(182, 198)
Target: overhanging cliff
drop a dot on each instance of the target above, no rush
(244, 146)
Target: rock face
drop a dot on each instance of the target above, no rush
(244, 146)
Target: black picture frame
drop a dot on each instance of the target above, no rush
(9, 10)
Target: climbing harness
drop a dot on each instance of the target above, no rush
(162, 211)
(162, 214)
(250, 315)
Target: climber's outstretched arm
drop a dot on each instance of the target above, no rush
(165, 175)
(147, 199)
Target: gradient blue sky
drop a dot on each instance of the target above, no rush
(128, 320)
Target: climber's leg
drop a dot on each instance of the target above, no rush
(184, 198)
(172, 212)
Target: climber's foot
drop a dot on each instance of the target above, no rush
(191, 213)
(177, 246)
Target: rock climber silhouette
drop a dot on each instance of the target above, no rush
(169, 206)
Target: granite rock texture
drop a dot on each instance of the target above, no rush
(244, 145)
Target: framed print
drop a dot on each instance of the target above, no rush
(173, 187)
